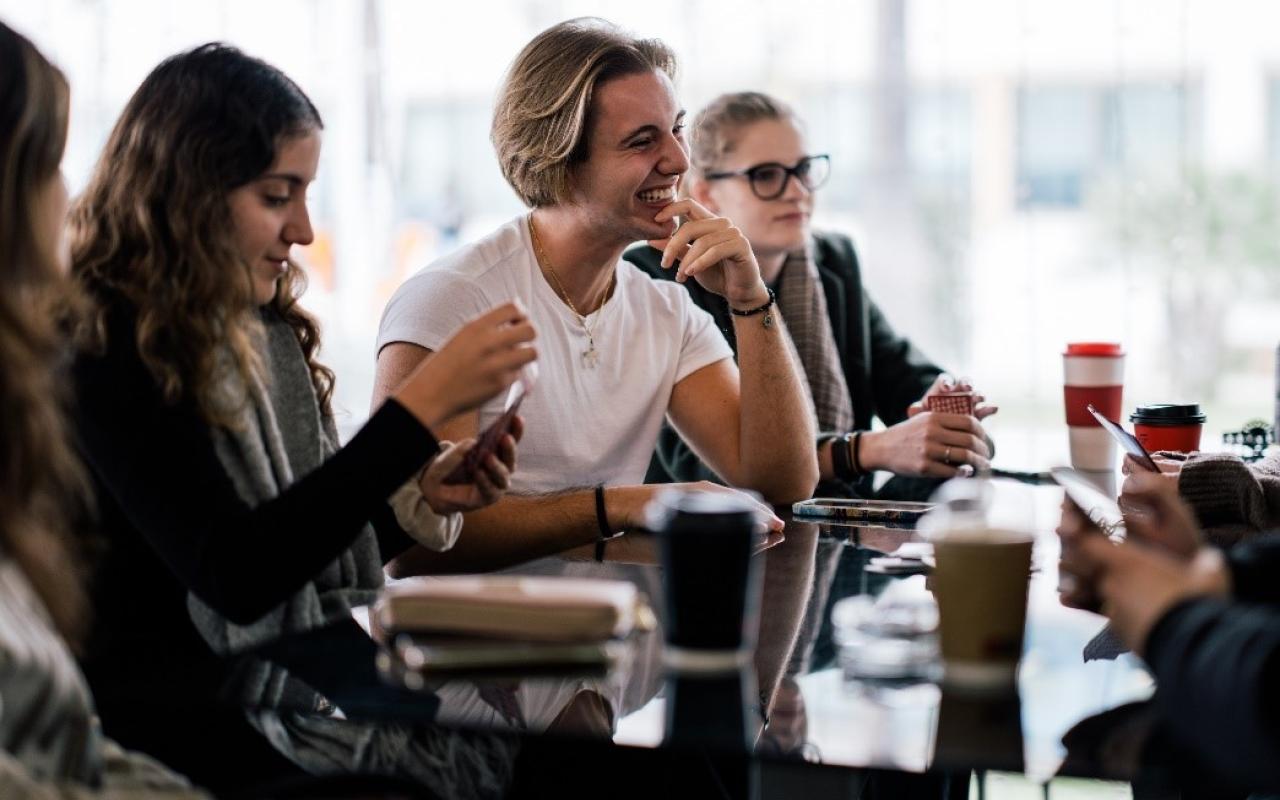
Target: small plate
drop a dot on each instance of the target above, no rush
(839, 508)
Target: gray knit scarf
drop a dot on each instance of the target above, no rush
(281, 436)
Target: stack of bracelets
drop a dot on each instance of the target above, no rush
(844, 456)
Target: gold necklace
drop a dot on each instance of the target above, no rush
(589, 356)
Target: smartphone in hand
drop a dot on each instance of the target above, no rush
(1101, 509)
(488, 441)
(1127, 440)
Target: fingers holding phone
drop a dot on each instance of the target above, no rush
(491, 438)
(442, 497)
(492, 477)
(489, 481)
(1135, 474)
(1159, 517)
(1166, 464)
(1077, 569)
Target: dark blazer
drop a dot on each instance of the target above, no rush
(884, 371)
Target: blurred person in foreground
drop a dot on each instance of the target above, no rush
(51, 743)
(1205, 621)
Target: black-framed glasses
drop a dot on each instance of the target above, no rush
(769, 180)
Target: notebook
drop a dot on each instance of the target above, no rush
(526, 608)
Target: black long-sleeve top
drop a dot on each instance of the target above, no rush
(1217, 668)
(173, 523)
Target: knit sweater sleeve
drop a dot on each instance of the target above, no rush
(156, 461)
(1225, 491)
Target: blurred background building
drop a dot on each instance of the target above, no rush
(1017, 173)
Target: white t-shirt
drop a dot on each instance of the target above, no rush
(583, 425)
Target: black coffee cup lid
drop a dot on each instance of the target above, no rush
(1168, 414)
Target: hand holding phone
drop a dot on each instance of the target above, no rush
(487, 444)
(1101, 516)
(1077, 587)
(1100, 508)
(1127, 440)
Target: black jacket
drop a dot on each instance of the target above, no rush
(1217, 669)
(884, 371)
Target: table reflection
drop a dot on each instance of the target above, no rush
(794, 678)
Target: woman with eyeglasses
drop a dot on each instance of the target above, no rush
(751, 164)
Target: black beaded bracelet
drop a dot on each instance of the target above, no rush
(602, 521)
(844, 457)
(762, 309)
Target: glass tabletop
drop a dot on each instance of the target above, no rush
(821, 713)
(1062, 719)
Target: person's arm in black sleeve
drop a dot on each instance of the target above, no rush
(1217, 669)
(1255, 569)
(392, 539)
(159, 463)
(900, 373)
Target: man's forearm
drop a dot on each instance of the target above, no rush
(520, 528)
(777, 428)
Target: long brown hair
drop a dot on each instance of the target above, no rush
(154, 225)
(40, 476)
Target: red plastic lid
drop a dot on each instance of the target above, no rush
(1104, 349)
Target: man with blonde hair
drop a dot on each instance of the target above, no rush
(589, 133)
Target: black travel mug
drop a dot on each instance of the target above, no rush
(711, 583)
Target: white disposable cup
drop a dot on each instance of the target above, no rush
(1096, 380)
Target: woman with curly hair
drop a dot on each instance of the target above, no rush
(231, 513)
(50, 741)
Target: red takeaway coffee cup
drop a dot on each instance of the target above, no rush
(1168, 426)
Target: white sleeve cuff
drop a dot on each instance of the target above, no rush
(424, 526)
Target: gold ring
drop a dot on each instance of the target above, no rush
(946, 456)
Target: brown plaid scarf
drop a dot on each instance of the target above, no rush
(804, 307)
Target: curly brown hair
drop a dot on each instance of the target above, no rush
(40, 477)
(154, 225)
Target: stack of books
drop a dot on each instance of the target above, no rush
(504, 624)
